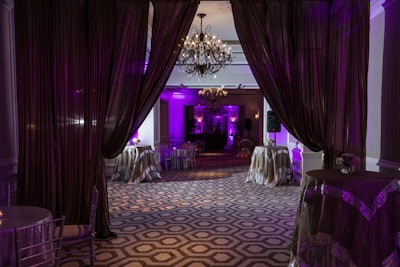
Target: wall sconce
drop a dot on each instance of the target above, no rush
(199, 119)
(233, 119)
(257, 115)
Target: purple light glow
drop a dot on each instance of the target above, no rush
(177, 95)
(135, 135)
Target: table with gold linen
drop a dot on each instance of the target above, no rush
(13, 217)
(347, 220)
(136, 164)
(270, 166)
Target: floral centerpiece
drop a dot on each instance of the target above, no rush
(348, 162)
(271, 142)
(135, 141)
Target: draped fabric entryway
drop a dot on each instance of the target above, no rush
(83, 91)
(84, 88)
(310, 59)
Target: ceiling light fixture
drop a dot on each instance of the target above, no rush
(212, 97)
(203, 54)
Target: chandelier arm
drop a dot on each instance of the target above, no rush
(212, 97)
(201, 53)
(214, 68)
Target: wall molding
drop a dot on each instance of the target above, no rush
(388, 3)
(13, 79)
(8, 162)
(7, 33)
(376, 8)
(7, 3)
(8, 167)
(389, 164)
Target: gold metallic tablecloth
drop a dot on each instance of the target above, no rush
(136, 164)
(270, 166)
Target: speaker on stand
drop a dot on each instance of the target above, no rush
(273, 123)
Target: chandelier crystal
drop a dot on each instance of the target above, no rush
(203, 54)
(212, 97)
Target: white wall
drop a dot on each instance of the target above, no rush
(146, 130)
(373, 145)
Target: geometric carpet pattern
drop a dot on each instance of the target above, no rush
(198, 222)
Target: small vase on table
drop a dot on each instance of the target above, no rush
(348, 169)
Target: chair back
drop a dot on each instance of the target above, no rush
(93, 208)
(189, 146)
(167, 158)
(191, 152)
(39, 244)
(75, 237)
(181, 153)
(201, 145)
(157, 157)
(167, 153)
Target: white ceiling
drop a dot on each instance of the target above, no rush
(236, 76)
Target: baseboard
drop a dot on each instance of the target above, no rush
(371, 164)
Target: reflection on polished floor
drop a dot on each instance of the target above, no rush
(189, 218)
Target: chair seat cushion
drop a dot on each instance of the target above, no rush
(76, 231)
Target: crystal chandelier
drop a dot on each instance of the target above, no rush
(203, 54)
(212, 97)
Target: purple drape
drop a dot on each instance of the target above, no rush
(171, 22)
(310, 59)
(81, 91)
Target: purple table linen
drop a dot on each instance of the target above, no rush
(17, 216)
(347, 220)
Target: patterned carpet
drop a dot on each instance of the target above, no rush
(209, 166)
(184, 220)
